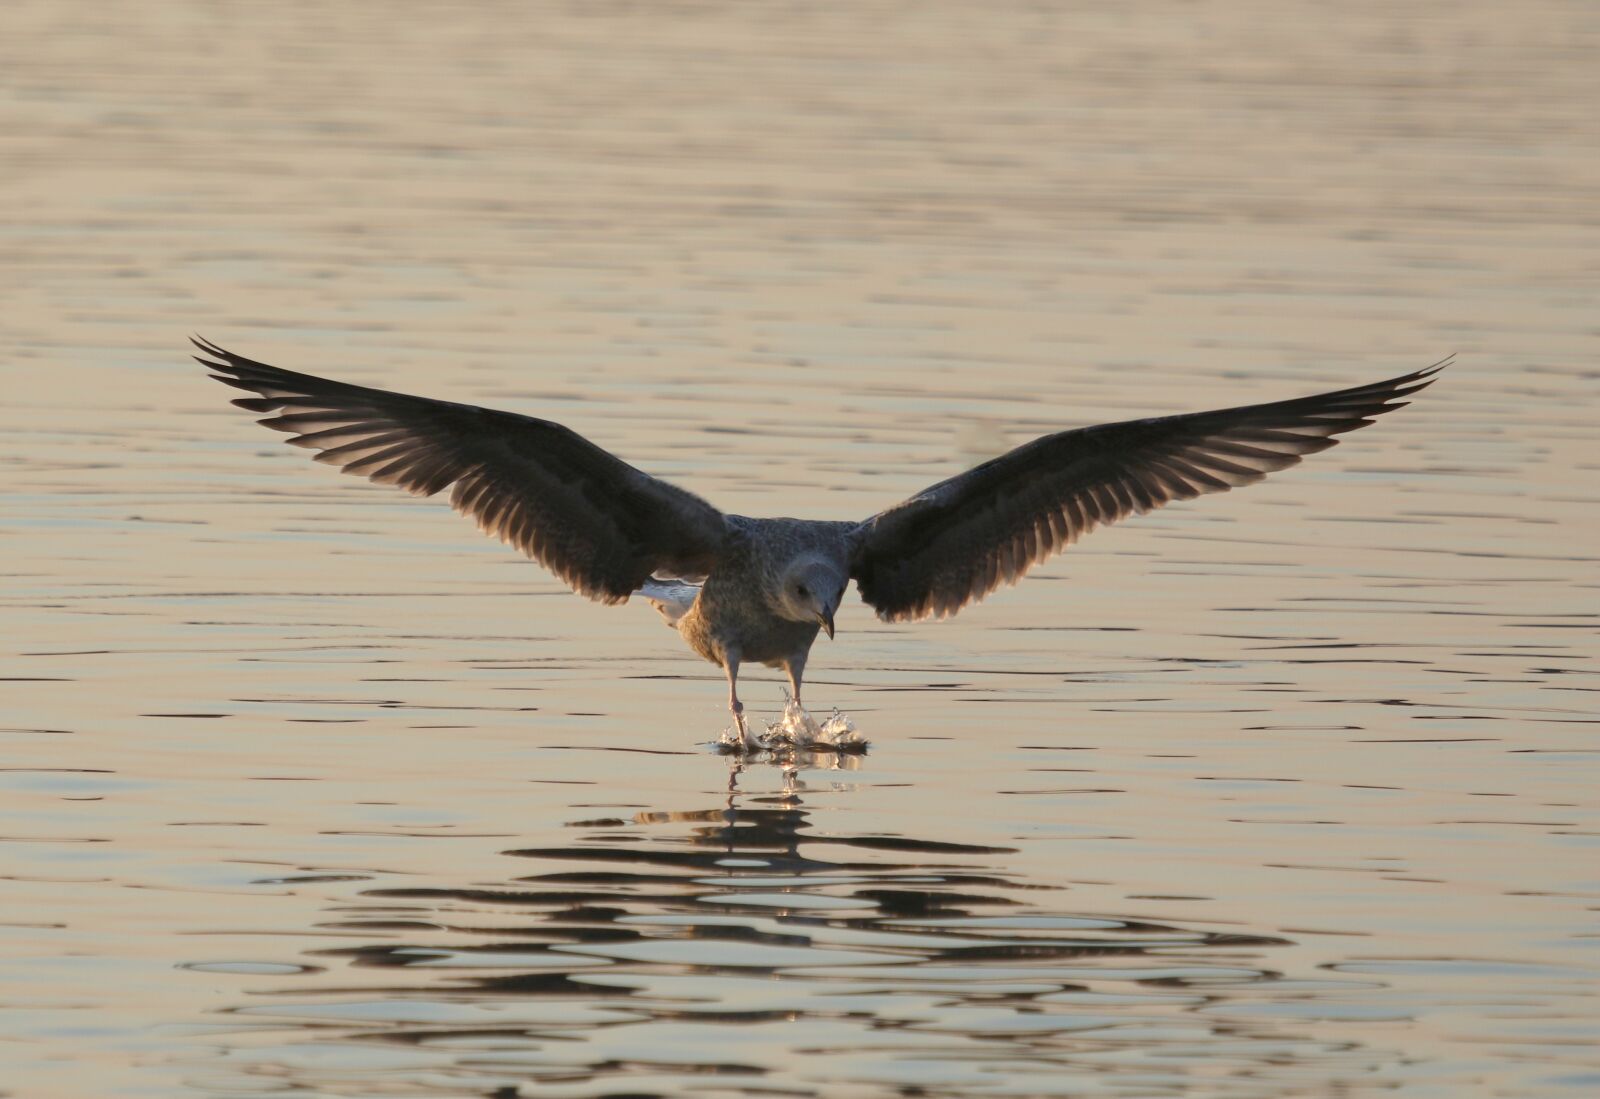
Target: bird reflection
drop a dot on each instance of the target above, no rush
(792, 758)
(624, 957)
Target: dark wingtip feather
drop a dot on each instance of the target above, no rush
(1420, 379)
(224, 368)
(208, 348)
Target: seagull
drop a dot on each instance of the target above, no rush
(742, 590)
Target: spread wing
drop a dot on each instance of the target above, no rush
(956, 542)
(596, 522)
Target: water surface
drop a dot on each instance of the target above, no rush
(309, 789)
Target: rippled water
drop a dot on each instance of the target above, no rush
(310, 790)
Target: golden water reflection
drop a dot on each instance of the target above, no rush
(743, 942)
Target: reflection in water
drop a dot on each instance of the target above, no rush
(737, 942)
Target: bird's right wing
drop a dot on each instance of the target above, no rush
(954, 543)
(599, 524)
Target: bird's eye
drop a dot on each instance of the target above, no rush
(802, 589)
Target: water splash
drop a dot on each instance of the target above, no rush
(798, 729)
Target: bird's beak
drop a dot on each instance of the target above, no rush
(825, 616)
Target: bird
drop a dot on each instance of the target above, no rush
(743, 590)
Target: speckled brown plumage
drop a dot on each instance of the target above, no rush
(734, 611)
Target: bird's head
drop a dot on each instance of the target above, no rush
(812, 591)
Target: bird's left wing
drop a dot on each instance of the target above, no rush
(954, 543)
(598, 523)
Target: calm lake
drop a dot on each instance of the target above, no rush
(308, 789)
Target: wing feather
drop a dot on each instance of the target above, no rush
(598, 523)
(954, 543)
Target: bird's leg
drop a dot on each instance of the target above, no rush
(796, 667)
(746, 741)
